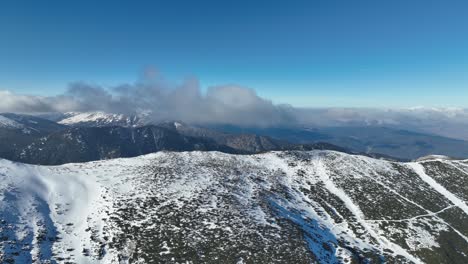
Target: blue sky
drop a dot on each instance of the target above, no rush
(305, 53)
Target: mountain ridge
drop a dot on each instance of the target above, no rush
(289, 206)
(383, 142)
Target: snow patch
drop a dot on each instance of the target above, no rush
(8, 123)
(420, 171)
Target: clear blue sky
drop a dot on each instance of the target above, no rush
(306, 53)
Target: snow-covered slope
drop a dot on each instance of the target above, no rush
(210, 207)
(8, 123)
(98, 119)
(27, 124)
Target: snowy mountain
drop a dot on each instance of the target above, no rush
(210, 207)
(19, 131)
(26, 134)
(27, 124)
(8, 123)
(100, 119)
(80, 144)
(90, 143)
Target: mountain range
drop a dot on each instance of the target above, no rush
(128, 190)
(39, 141)
(373, 138)
(78, 137)
(403, 144)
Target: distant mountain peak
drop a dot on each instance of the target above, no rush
(28, 123)
(177, 124)
(6, 122)
(99, 119)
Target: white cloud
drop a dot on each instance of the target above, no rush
(229, 104)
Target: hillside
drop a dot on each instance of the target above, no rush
(278, 207)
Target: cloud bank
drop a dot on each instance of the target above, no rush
(449, 122)
(227, 104)
(30, 104)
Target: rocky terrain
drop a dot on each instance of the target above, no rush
(211, 207)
